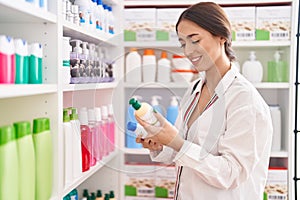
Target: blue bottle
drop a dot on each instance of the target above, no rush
(172, 111)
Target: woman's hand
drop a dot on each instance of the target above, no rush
(149, 144)
(165, 134)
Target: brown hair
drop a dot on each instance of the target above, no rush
(211, 17)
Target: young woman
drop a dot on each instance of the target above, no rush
(222, 139)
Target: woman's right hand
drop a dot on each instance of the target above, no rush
(149, 143)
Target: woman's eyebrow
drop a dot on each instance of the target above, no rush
(189, 36)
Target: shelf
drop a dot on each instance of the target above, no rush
(19, 90)
(89, 173)
(269, 85)
(172, 85)
(96, 37)
(141, 151)
(279, 154)
(189, 2)
(22, 11)
(89, 86)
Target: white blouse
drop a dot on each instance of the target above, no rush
(226, 152)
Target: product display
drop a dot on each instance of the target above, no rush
(252, 69)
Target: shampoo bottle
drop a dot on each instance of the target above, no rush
(133, 66)
(42, 140)
(137, 129)
(252, 69)
(85, 142)
(22, 61)
(163, 68)
(9, 173)
(35, 63)
(149, 65)
(26, 160)
(68, 147)
(7, 60)
(172, 111)
(277, 69)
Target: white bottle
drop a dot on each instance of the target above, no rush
(111, 21)
(105, 24)
(163, 68)
(155, 104)
(68, 147)
(252, 69)
(100, 14)
(85, 73)
(149, 65)
(84, 8)
(66, 70)
(76, 143)
(137, 129)
(133, 66)
(276, 121)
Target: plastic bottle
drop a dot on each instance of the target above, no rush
(100, 135)
(172, 110)
(111, 125)
(9, 173)
(111, 21)
(105, 24)
(68, 147)
(252, 69)
(84, 7)
(7, 60)
(144, 111)
(105, 129)
(26, 160)
(75, 58)
(35, 63)
(101, 14)
(42, 140)
(22, 61)
(155, 104)
(44, 4)
(137, 129)
(277, 69)
(129, 136)
(149, 65)
(276, 121)
(84, 70)
(93, 136)
(85, 139)
(133, 66)
(66, 70)
(163, 68)
(99, 195)
(91, 63)
(76, 143)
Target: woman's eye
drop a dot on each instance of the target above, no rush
(195, 42)
(182, 45)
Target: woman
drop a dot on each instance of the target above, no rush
(222, 142)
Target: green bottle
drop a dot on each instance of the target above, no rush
(35, 63)
(42, 140)
(26, 160)
(277, 69)
(22, 61)
(8, 164)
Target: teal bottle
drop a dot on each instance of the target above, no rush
(8, 164)
(35, 63)
(22, 61)
(42, 140)
(26, 160)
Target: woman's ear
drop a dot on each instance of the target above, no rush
(222, 40)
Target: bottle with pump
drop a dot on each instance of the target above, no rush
(75, 58)
(163, 68)
(252, 69)
(35, 63)
(149, 65)
(133, 66)
(7, 60)
(9, 164)
(111, 124)
(93, 135)
(84, 70)
(76, 143)
(68, 147)
(85, 142)
(99, 195)
(129, 136)
(22, 61)
(172, 110)
(42, 140)
(277, 69)
(26, 160)
(155, 104)
(144, 111)
(137, 129)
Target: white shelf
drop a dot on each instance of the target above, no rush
(189, 2)
(157, 85)
(22, 11)
(77, 32)
(89, 86)
(279, 154)
(89, 173)
(19, 90)
(141, 151)
(269, 85)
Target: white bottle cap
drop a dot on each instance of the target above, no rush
(35, 49)
(110, 109)
(154, 101)
(85, 50)
(104, 112)
(83, 116)
(98, 114)
(77, 47)
(21, 47)
(174, 101)
(91, 114)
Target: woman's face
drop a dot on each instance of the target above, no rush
(202, 48)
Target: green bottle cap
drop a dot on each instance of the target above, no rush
(85, 193)
(40, 125)
(106, 197)
(74, 114)
(7, 134)
(93, 196)
(135, 103)
(99, 193)
(66, 117)
(22, 128)
(111, 194)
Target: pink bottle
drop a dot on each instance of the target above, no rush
(7, 60)
(100, 136)
(93, 135)
(111, 123)
(85, 142)
(104, 112)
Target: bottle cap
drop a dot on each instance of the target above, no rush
(77, 47)
(98, 114)
(174, 101)
(21, 47)
(35, 49)
(99, 193)
(135, 103)
(131, 126)
(148, 52)
(133, 49)
(66, 116)
(154, 101)
(104, 112)
(22, 128)
(74, 114)
(85, 193)
(91, 114)
(106, 197)
(40, 125)
(164, 54)
(93, 196)
(111, 194)
(85, 50)
(110, 109)
(178, 56)
(83, 116)
(7, 134)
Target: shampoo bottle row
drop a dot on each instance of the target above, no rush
(26, 160)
